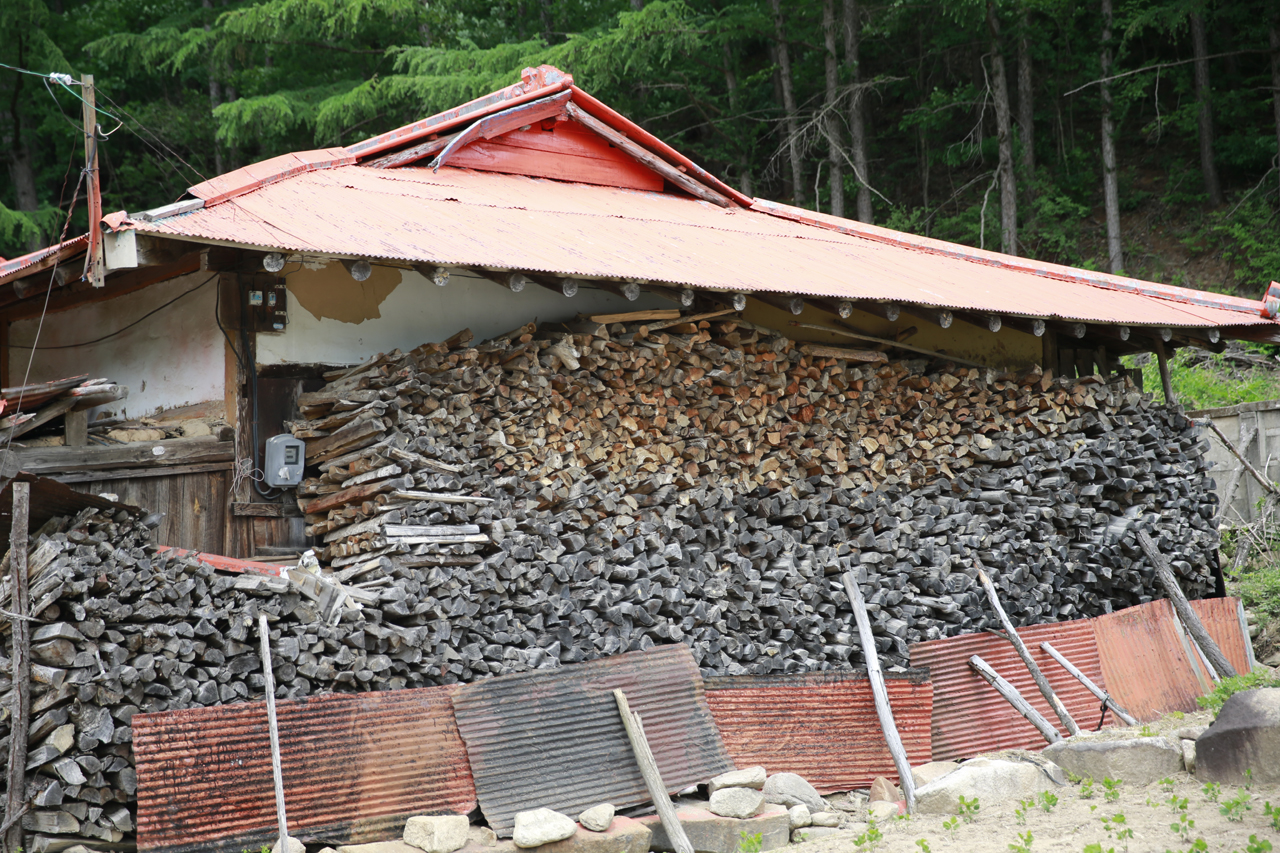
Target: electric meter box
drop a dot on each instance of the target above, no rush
(284, 462)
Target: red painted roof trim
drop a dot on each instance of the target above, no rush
(258, 175)
(11, 268)
(230, 564)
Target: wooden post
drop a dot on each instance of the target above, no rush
(1036, 675)
(95, 265)
(21, 668)
(1163, 361)
(1121, 714)
(277, 771)
(652, 778)
(880, 693)
(1014, 698)
(1180, 604)
(76, 428)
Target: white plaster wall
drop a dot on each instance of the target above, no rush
(172, 358)
(415, 312)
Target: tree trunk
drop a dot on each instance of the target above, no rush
(1004, 135)
(21, 172)
(215, 98)
(1110, 185)
(1204, 118)
(857, 127)
(1275, 80)
(744, 157)
(788, 105)
(835, 156)
(1026, 108)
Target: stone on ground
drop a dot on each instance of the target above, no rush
(542, 826)
(1189, 756)
(990, 780)
(441, 833)
(482, 836)
(624, 835)
(789, 789)
(934, 770)
(711, 833)
(736, 802)
(883, 789)
(748, 777)
(800, 816)
(597, 818)
(1191, 732)
(394, 846)
(824, 819)
(291, 845)
(882, 810)
(811, 833)
(1139, 761)
(1246, 736)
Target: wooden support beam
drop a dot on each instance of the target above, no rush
(513, 281)
(438, 276)
(652, 778)
(940, 317)
(20, 672)
(782, 301)
(277, 770)
(857, 335)
(1014, 698)
(1163, 362)
(1027, 325)
(1121, 714)
(1164, 572)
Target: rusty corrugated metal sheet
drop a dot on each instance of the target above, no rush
(1222, 620)
(1147, 663)
(44, 258)
(970, 717)
(229, 564)
(462, 218)
(554, 738)
(821, 725)
(356, 766)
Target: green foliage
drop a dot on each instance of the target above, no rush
(750, 842)
(967, 808)
(1096, 847)
(1086, 789)
(923, 845)
(1167, 784)
(951, 824)
(869, 839)
(1203, 380)
(1023, 844)
(1273, 814)
(1212, 791)
(1228, 687)
(1234, 808)
(1112, 789)
(1257, 845)
(1048, 800)
(1183, 826)
(1020, 812)
(1146, 731)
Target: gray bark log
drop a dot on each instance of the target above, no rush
(1204, 116)
(1004, 135)
(1110, 184)
(788, 105)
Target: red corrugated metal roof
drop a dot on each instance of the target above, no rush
(463, 218)
(1147, 663)
(970, 717)
(13, 266)
(821, 725)
(1221, 618)
(356, 766)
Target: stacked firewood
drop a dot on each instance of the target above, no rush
(29, 408)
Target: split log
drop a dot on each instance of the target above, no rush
(652, 778)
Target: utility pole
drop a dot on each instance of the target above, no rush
(94, 265)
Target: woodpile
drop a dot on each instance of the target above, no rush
(62, 403)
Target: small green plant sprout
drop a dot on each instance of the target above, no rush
(1177, 804)
(968, 808)
(1167, 784)
(1146, 731)
(869, 839)
(1178, 715)
(1183, 826)
(1024, 806)
(923, 845)
(1023, 844)
(950, 825)
(1212, 790)
(1257, 845)
(750, 842)
(1095, 847)
(1112, 792)
(1248, 778)
(1274, 814)
(1234, 808)
(1086, 788)
(1048, 800)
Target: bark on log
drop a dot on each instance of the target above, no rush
(1194, 626)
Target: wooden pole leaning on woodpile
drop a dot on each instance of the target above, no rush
(1036, 675)
(277, 769)
(1014, 698)
(1105, 697)
(652, 778)
(15, 803)
(880, 693)
(1188, 616)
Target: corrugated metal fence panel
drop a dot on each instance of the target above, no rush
(554, 738)
(970, 717)
(1146, 662)
(1222, 620)
(356, 766)
(821, 725)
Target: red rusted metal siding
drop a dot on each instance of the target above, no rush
(356, 766)
(554, 738)
(821, 725)
(1146, 662)
(1222, 620)
(970, 717)
(230, 564)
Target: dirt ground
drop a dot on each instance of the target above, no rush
(1077, 820)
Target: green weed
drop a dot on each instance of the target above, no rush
(869, 839)
(1086, 789)
(1212, 790)
(1023, 844)
(1183, 826)
(968, 808)
(1234, 808)
(1274, 814)
(1112, 786)
(923, 845)
(1020, 813)
(750, 842)
(1257, 845)
(1167, 784)
(1228, 687)
(950, 825)
(1048, 801)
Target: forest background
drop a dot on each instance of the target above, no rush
(1125, 135)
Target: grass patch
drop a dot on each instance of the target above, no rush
(1205, 380)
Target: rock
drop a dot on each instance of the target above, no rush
(788, 789)
(882, 810)
(542, 826)
(623, 835)
(482, 836)
(853, 801)
(1273, 659)
(824, 819)
(934, 770)
(799, 816)
(597, 818)
(811, 833)
(750, 777)
(710, 833)
(1139, 761)
(195, 428)
(291, 845)
(1246, 736)
(395, 846)
(736, 802)
(1191, 732)
(883, 789)
(437, 833)
(1189, 756)
(991, 781)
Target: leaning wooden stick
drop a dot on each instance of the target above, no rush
(20, 671)
(277, 771)
(1041, 682)
(1180, 604)
(1121, 714)
(1234, 451)
(652, 778)
(880, 693)
(1014, 698)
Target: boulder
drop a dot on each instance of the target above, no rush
(711, 833)
(990, 780)
(624, 835)
(542, 826)
(799, 816)
(1246, 736)
(788, 789)
(394, 846)
(934, 770)
(291, 845)
(736, 802)
(1138, 761)
(883, 789)
(882, 810)
(824, 819)
(750, 777)
(442, 833)
(597, 818)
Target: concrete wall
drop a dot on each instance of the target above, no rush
(1258, 424)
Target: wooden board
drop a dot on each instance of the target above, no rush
(194, 505)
